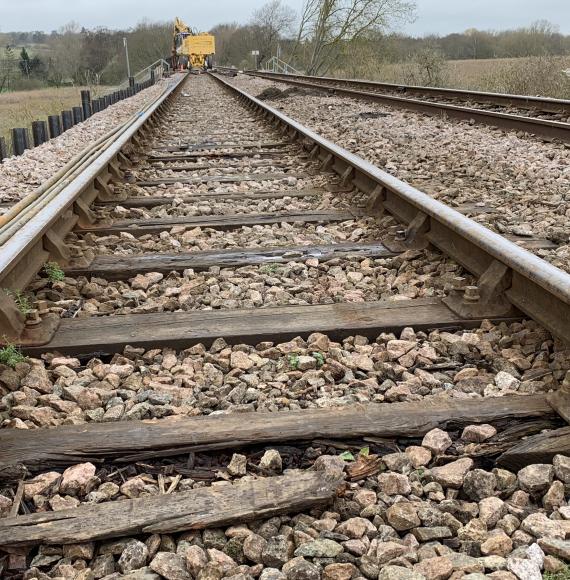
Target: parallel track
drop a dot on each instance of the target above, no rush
(548, 118)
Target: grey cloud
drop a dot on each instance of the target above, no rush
(433, 16)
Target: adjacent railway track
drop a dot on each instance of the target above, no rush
(239, 283)
(544, 117)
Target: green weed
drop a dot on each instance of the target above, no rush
(11, 355)
(269, 268)
(54, 272)
(347, 456)
(319, 358)
(294, 361)
(562, 575)
(21, 300)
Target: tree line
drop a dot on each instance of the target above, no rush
(328, 33)
(326, 37)
(74, 55)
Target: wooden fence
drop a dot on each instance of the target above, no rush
(23, 138)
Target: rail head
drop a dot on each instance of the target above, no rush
(538, 288)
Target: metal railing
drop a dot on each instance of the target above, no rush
(276, 65)
(154, 71)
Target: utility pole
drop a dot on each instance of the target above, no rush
(127, 55)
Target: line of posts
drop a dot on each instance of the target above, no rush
(55, 125)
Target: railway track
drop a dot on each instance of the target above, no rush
(547, 118)
(238, 302)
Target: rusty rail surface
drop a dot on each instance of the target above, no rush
(531, 284)
(355, 88)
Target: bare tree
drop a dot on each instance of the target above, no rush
(148, 42)
(270, 23)
(8, 68)
(66, 63)
(328, 25)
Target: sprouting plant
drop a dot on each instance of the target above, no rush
(294, 361)
(54, 272)
(562, 575)
(11, 355)
(319, 358)
(269, 268)
(347, 456)
(23, 303)
(421, 472)
(21, 300)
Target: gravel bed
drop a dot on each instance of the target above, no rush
(526, 180)
(285, 182)
(183, 207)
(182, 239)
(249, 169)
(424, 511)
(22, 175)
(415, 520)
(410, 275)
(188, 190)
(199, 165)
(490, 361)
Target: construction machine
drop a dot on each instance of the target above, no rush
(192, 50)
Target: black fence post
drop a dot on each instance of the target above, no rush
(86, 104)
(67, 120)
(54, 123)
(132, 82)
(77, 115)
(20, 141)
(152, 77)
(3, 149)
(39, 132)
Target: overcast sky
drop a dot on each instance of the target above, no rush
(433, 16)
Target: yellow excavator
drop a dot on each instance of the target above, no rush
(191, 50)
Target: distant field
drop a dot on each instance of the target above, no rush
(19, 109)
(530, 76)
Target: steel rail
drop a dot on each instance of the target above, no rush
(22, 211)
(538, 288)
(540, 127)
(14, 250)
(545, 104)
